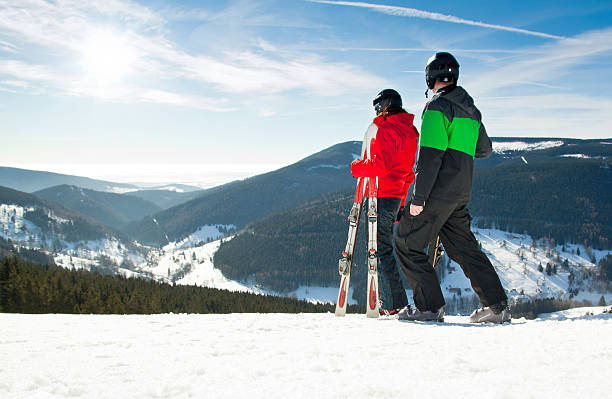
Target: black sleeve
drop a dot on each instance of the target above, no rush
(483, 145)
(428, 166)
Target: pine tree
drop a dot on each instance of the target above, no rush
(602, 301)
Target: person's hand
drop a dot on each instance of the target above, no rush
(415, 210)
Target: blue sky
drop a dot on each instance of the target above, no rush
(207, 91)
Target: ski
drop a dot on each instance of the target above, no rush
(346, 261)
(369, 185)
(372, 306)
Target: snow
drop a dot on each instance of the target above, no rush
(576, 156)
(581, 156)
(342, 166)
(505, 146)
(316, 294)
(516, 262)
(204, 233)
(563, 355)
(511, 254)
(16, 227)
(201, 271)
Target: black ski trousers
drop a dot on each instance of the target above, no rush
(451, 222)
(390, 288)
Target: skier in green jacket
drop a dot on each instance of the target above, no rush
(452, 134)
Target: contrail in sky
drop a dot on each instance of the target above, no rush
(412, 12)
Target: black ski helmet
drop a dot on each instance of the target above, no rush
(387, 98)
(441, 66)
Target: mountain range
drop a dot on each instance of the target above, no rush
(112, 209)
(289, 225)
(241, 202)
(34, 180)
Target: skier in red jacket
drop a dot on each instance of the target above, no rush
(392, 156)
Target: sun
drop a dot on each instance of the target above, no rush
(106, 56)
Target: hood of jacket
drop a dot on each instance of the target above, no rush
(458, 96)
(402, 121)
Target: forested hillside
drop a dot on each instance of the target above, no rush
(297, 247)
(30, 288)
(568, 199)
(52, 222)
(113, 210)
(165, 199)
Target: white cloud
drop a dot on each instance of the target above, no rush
(60, 31)
(546, 64)
(547, 115)
(15, 83)
(414, 13)
(41, 78)
(8, 47)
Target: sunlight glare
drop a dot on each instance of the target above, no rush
(106, 56)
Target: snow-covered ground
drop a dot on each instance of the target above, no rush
(561, 355)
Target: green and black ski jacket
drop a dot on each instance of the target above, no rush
(452, 134)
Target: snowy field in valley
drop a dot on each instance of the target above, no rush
(562, 355)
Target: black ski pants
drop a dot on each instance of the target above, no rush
(390, 288)
(452, 223)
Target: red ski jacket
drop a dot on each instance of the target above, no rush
(392, 154)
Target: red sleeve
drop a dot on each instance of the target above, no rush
(378, 165)
(413, 144)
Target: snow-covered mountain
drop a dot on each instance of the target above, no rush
(514, 256)
(73, 239)
(519, 170)
(190, 262)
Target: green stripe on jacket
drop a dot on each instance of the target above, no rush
(437, 132)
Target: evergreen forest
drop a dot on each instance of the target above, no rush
(27, 287)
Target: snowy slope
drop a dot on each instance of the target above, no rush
(190, 262)
(15, 227)
(187, 265)
(516, 261)
(564, 355)
(512, 255)
(190, 266)
(80, 255)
